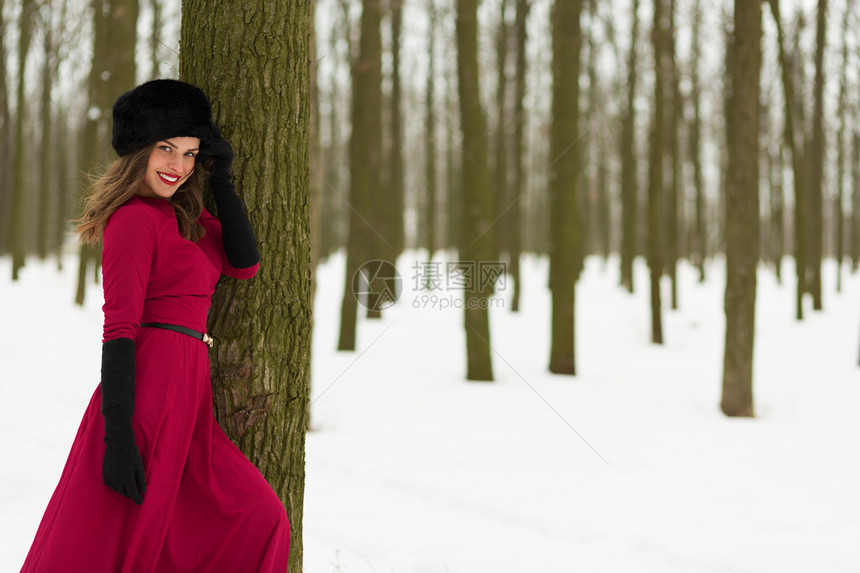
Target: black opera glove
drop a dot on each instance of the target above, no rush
(122, 470)
(240, 245)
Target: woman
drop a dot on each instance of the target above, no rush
(152, 483)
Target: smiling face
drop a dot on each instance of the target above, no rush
(170, 164)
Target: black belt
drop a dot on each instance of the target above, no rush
(182, 330)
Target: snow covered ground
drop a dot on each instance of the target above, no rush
(628, 467)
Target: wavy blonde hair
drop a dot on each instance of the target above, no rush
(121, 182)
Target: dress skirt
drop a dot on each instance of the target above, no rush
(206, 507)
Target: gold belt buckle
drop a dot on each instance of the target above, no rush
(208, 340)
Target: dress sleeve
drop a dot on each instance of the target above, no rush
(213, 226)
(128, 250)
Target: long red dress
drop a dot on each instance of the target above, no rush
(206, 507)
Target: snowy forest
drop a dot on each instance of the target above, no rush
(546, 285)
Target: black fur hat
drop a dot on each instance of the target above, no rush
(156, 110)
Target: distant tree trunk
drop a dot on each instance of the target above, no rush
(46, 182)
(629, 195)
(375, 214)
(261, 362)
(816, 230)
(430, 134)
(453, 163)
(565, 225)
(500, 161)
(519, 176)
(797, 160)
(855, 198)
(64, 189)
(477, 239)
(777, 209)
(593, 120)
(112, 73)
(655, 175)
(154, 40)
(364, 163)
(19, 193)
(394, 204)
(842, 113)
(742, 211)
(330, 238)
(701, 232)
(5, 144)
(673, 147)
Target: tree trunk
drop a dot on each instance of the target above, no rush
(742, 210)
(154, 40)
(565, 225)
(364, 161)
(64, 189)
(46, 182)
(19, 192)
(394, 204)
(629, 195)
(500, 161)
(673, 147)
(842, 113)
(797, 161)
(855, 198)
(701, 233)
(655, 176)
(430, 135)
(777, 210)
(5, 144)
(477, 239)
(112, 73)
(261, 99)
(519, 175)
(816, 231)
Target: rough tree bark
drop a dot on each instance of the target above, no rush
(742, 210)
(566, 236)
(476, 232)
(257, 75)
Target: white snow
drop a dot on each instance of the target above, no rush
(628, 467)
